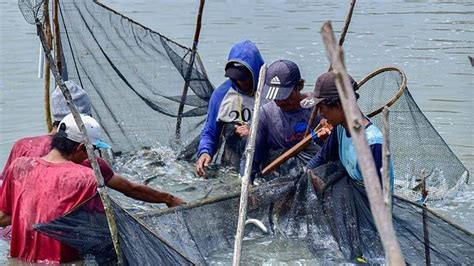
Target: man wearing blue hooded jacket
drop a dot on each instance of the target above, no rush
(231, 107)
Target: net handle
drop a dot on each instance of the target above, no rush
(298, 147)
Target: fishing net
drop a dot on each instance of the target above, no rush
(133, 75)
(415, 145)
(135, 78)
(328, 210)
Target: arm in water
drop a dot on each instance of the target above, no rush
(142, 192)
(210, 133)
(134, 190)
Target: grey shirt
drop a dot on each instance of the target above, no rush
(277, 131)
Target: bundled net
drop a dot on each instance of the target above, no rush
(133, 75)
(332, 218)
(415, 145)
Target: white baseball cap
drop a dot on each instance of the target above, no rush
(69, 127)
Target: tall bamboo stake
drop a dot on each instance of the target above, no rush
(354, 119)
(90, 151)
(426, 236)
(57, 36)
(249, 152)
(189, 71)
(387, 192)
(47, 67)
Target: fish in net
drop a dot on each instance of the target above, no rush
(332, 216)
(124, 65)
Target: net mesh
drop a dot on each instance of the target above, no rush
(31, 10)
(133, 75)
(415, 145)
(333, 219)
(135, 78)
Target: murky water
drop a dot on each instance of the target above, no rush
(429, 40)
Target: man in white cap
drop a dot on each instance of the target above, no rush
(39, 146)
(37, 190)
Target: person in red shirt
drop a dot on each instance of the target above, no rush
(38, 190)
(40, 145)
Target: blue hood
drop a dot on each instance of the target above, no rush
(247, 53)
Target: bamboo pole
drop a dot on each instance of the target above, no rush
(249, 152)
(47, 67)
(426, 236)
(90, 151)
(354, 118)
(189, 71)
(387, 192)
(57, 36)
(342, 38)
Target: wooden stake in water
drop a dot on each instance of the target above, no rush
(249, 152)
(426, 236)
(47, 67)
(354, 119)
(387, 191)
(187, 77)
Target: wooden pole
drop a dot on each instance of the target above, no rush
(47, 67)
(90, 151)
(426, 236)
(187, 77)
(249, 152)
(342, 38)
(387, 191)
(354, 119)
(57, 36)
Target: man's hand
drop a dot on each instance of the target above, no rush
(242, 130)
(324, 132)
(175, 201)
(202, 163)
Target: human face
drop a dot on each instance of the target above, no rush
(80, 155)
(333, 115)
(291, 103)
(245, 85)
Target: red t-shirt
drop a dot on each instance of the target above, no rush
(39, 146)
(37, 191)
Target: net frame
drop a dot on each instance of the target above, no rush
(398, 94)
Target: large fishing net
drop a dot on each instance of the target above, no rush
(415, 145)
(133, 75)
(326, 209)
